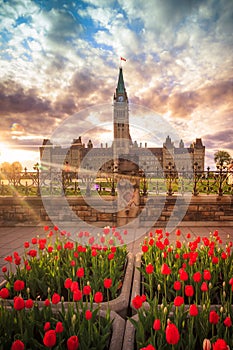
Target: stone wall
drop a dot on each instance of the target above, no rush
(199, 208)
(31, 211)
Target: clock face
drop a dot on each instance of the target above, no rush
(120, 98)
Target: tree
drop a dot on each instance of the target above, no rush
(6, 167)
(16, 167)
(222, 157)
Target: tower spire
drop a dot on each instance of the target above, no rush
(121, 94)
(121, 85)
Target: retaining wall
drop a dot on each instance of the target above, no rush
(31, 211)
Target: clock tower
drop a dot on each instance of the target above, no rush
(122, 138)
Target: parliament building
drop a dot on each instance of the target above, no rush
(104, 158)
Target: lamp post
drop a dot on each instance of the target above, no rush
(36, 167)
(196, 169)
(170, 168)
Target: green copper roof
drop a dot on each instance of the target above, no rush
(121, 84)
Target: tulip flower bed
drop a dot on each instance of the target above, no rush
(24, 325)
(185, 295)
(56, 265)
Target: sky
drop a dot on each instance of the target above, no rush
(60, 59)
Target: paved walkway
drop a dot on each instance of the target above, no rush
(13, 238)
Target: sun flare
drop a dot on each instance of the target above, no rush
(25, 157)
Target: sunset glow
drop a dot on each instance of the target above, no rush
(61, 57)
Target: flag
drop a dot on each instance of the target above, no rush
(123, 59)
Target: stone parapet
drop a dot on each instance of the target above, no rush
(31, 210)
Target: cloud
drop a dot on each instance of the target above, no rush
(219, 140)
(14, 99)
(60, 58)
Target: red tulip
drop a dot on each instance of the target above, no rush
(19, 303)
(214, 259)
(107, 283)
(77, 295)
(56, 298)
(47, 326)
(59, 327)
(227, 322)
(143, 297)
(151, 242)
(193, 310)
(220, 344)
(29, 303)
(68, 283)
(32, 253)
(157, 325)
(204, 287)
(47, 302)
(80, 272)
(165, 269)
(148, 347)
(178, 301)
(177, 285)
(149, 269)
(189, 291)
(224, 256)
(183, 274)
(72, 343)
(74, 286)
(160, 245)
(8, 258)
(137, 302)
(172, 334)
(98, 297)
(17, 345)
(87, 290)
(4, 269)
(197, 277)
(178, 232)
(207, 275)
(88, 314)
(213, 317)
(50, 339)
(19, 285)
(4, 293)
(111, 256)
(94, 252)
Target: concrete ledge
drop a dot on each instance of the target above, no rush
(129, 337)
(118, 330)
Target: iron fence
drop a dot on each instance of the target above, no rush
(169, 182)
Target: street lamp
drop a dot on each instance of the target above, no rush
(196, 169)
(36, 167)
(170, 169)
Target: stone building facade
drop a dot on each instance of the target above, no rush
(149, 159)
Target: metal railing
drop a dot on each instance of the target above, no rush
(169, 182)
